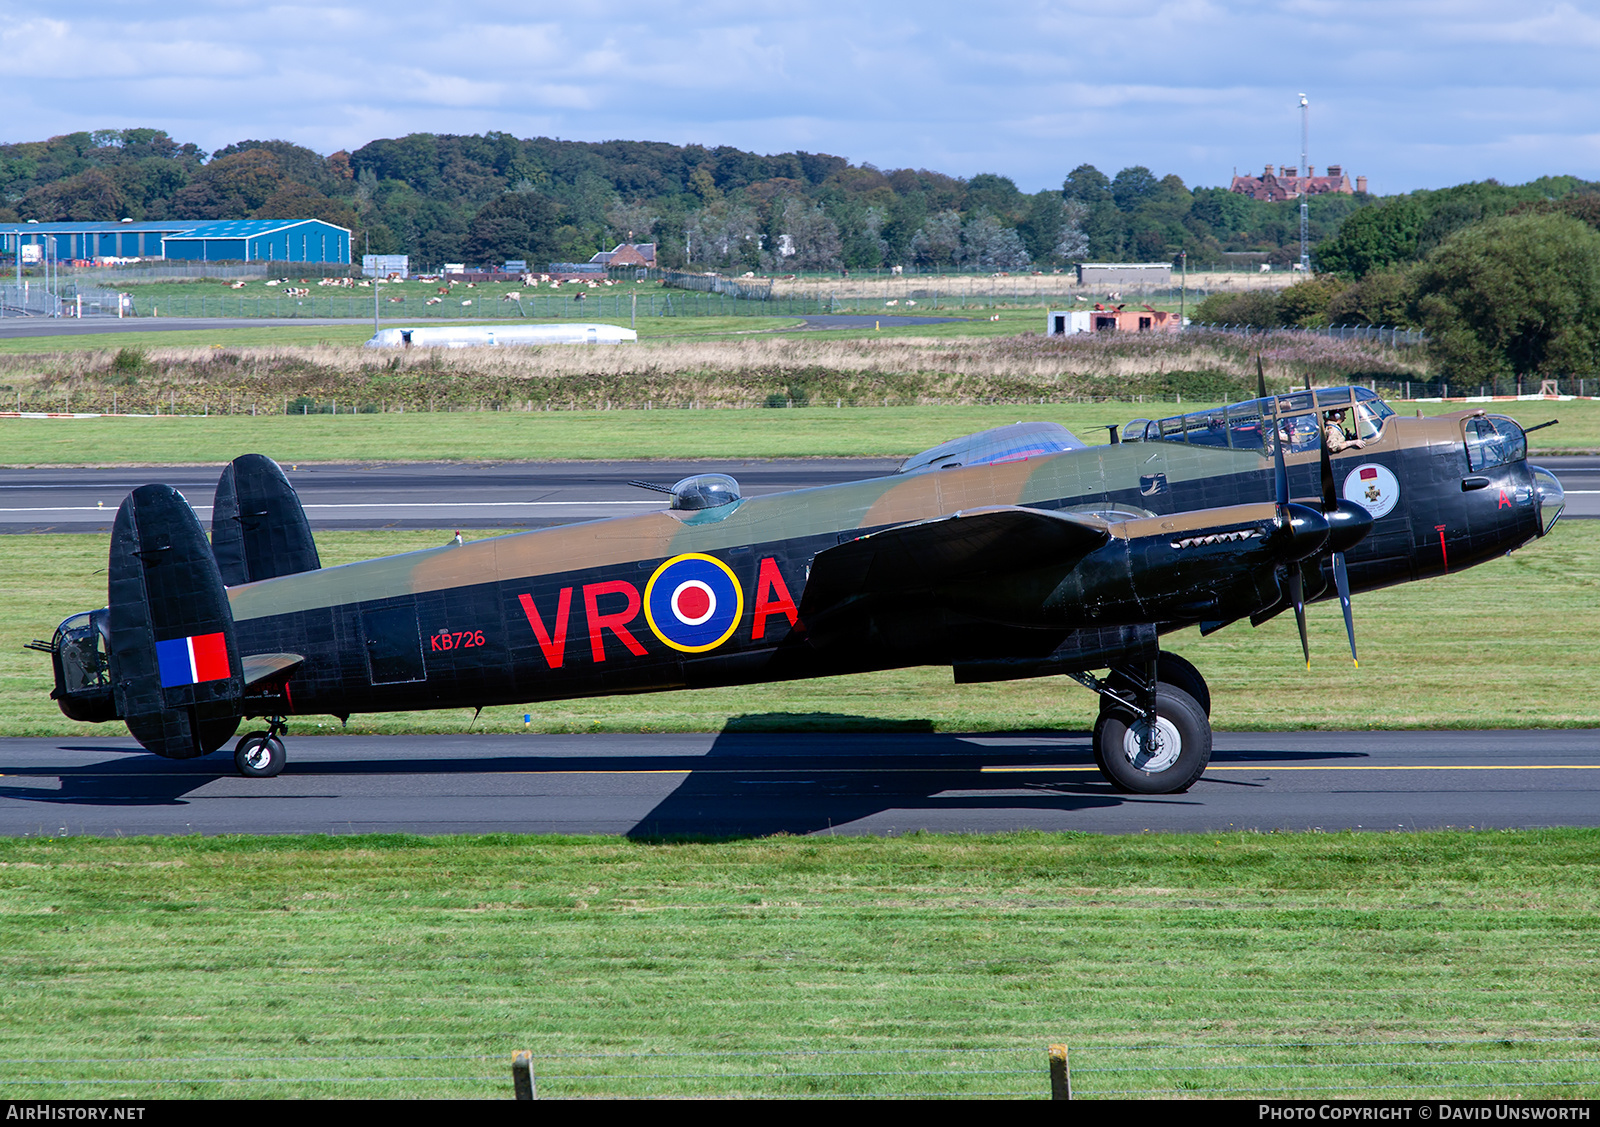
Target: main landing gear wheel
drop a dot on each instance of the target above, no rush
(1170, 761)
(1170, 668)
(260, 755)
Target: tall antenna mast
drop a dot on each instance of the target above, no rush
(1305, 171)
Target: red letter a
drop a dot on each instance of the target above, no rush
(772, 597)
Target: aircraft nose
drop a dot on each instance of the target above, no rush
(1306, 533)
(1348, 524)
(1552, 498)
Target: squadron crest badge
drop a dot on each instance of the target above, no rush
(1373, 487)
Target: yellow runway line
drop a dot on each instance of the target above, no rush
(1346, 767)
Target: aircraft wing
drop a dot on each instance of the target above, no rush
(964, 546)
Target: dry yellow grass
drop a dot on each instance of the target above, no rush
(732, 371)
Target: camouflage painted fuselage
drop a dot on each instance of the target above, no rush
(567, 612)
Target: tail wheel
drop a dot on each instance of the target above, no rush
(1170, 760)
(260, 755)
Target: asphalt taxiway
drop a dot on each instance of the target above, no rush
(508, 495)
(412, 495)
(739, 784)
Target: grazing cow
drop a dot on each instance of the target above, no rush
(511, 295)
(442, 290)
(897, 270)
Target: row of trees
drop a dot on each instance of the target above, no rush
(493, 196)
(1512, 295)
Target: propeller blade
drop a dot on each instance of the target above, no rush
(1281, 471)
(1330, 494)
(1342, 582)
(1297, 595)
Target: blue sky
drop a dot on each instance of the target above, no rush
(1410, 93)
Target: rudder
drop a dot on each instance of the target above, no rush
(258, 526)
(175, 668)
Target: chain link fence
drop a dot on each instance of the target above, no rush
(1381, 334)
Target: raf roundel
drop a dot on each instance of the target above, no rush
(693, 603)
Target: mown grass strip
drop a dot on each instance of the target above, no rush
(521, 436)
(1237, 963)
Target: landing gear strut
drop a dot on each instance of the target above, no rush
(261, 755)
(1152, 736)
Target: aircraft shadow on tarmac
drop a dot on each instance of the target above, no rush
(752, 782)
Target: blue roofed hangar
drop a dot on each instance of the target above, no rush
(220, 240)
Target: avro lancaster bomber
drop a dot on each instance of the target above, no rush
(1017, 552)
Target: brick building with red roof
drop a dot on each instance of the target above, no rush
(1288, 184)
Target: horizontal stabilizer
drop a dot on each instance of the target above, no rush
(264, 669)
(258, 526)
(174, 661)
(994, 540)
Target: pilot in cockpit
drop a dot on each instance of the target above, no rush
(1298, 433)
(1338, 439)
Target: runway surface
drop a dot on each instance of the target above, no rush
(755, 784)
(512, 495)
(413, 495)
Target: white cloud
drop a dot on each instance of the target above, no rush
(1399, 88)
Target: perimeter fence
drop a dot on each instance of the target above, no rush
(1437, 1068)
(1379, 334)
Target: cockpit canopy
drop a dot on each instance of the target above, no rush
(1013, 443)
(1493, 440)
(1239, 425)
(705, 491)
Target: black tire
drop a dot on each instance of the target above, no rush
(1176, 671)
(1180, 673)
(259, 755)
(1183, 746)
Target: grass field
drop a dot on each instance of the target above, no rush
(889, 324)
(285, 336)
(1508, 644)
(1188, 966)
(819, 431)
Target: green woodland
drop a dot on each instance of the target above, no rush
(494, 197)
(1503, 278)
